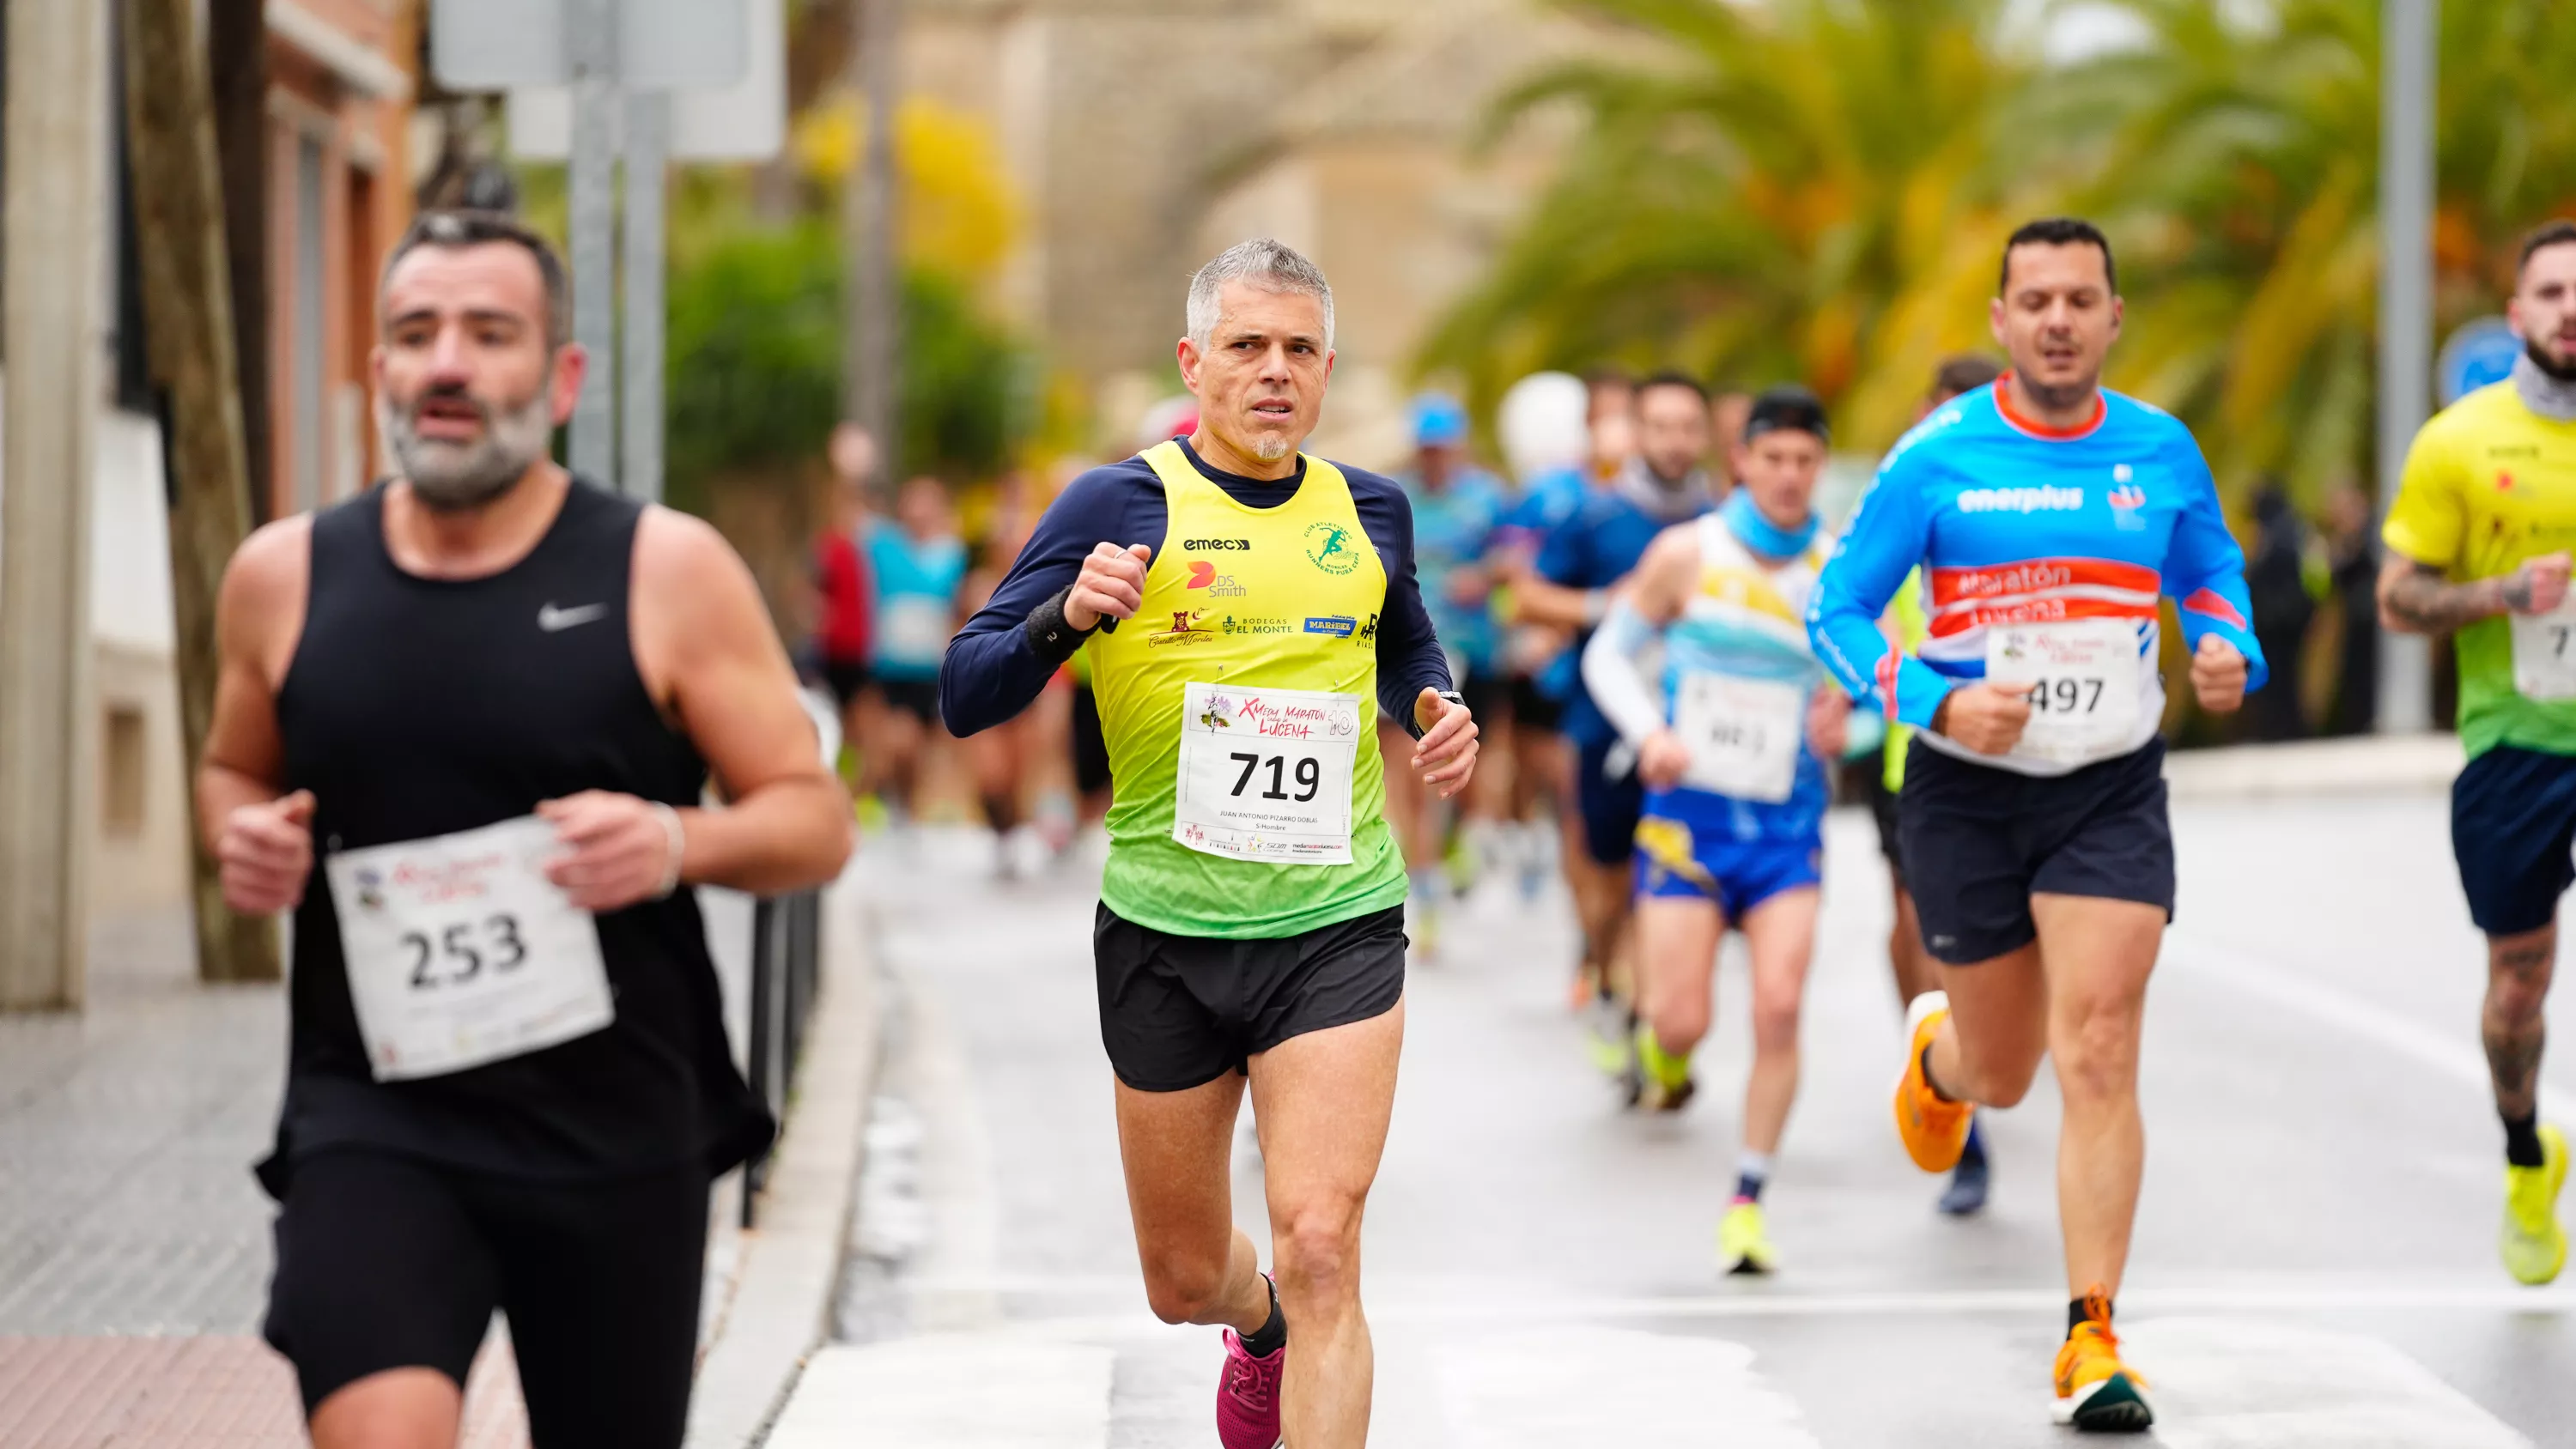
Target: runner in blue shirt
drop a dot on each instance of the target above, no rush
(916, 565)
(1570, 587)
(1457, 508)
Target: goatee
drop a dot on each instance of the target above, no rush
(452, 477)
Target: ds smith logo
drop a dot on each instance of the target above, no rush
(1328, 547)
(1203, 575)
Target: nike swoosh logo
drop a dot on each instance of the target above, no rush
(555, 621)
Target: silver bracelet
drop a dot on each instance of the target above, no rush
(677, 846)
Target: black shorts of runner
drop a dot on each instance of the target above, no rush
(1532, 709)
(1178, 1012)
(916, 697)
(1609, 804)
(2513, 819)
(845, 678)
(1488, 695)
(1980, 841)
(1090, 745)
(1865, 780)
(388, 1262)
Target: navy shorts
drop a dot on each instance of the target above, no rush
(1736, 875)
(2513, 821)
(1610, 805)
(1979, 841)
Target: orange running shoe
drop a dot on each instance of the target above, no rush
(2096, 1392)
(1935, 1131)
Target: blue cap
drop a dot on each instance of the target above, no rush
(1438, 421)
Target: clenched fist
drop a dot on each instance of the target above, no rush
(1986, 717)
(1112, 585)
(266, 852)
(2218, 670)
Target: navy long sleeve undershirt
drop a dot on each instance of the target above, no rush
(992, 671)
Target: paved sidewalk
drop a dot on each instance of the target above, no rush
(134, 1244)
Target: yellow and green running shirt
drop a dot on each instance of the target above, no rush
(2489, 484)
(1255, 588)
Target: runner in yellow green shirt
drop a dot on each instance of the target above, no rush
(2478, 544)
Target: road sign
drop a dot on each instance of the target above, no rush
(490, 45)
(2479, 353)
(742, 121)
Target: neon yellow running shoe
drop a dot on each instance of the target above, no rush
(1667, 1075)
(2533, 1244)
(1744, 1240)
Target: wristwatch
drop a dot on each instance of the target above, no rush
(1454, 697)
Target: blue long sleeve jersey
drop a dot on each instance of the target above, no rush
(2014, 523)
(993, 670)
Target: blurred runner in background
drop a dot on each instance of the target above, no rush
(1457, 507)
(1881, 781)
(1732, 743)
(844, 596)
(1005, 757)
(917, 564)
(1553, 446)
(1570, 587)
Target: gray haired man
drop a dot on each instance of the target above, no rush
(1248, 610)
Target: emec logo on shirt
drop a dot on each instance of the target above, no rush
(1328, 547)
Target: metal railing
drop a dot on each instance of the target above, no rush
(786, 973)
(786, 968)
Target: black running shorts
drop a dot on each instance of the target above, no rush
(1978, 842)
(1178, 1012)
(2513, 819)
(387, 1262)
(1532, 709)
(916, 697)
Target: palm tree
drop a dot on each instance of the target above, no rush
(1813, 189)
(2237, 167)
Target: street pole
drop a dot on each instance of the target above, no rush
(875, 298)
(648, 148)
(590, 42)
(2406, 46)
(188, 316)
(53, 228)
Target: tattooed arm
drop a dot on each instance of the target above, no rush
(2416, 598)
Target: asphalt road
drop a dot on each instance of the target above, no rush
(2314, 1263)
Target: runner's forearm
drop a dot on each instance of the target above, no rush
(1409, 657)
(221, 790)
(2415, 598)
(1618, 686)
(1542, 601)
(788, 835)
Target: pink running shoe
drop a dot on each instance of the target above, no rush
(1247, 1398)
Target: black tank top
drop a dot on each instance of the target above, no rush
(419, 707)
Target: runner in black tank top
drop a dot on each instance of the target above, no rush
(490, 711)
(462, 728)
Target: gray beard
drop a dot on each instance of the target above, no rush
(2543, 391)
(458, 478)
(1667, 500)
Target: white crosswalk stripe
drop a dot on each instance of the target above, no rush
(951, 1391)
(2218, 1383)
(2236, 1384)
(1551, 1387)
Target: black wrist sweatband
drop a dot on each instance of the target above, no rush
(1052, 637)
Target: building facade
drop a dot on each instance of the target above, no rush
(342, 74)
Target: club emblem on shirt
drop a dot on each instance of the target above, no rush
(2128, 501)
(1328, 547)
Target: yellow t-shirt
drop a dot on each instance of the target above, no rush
(1913, 626)
(2488, 484)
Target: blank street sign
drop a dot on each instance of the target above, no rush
(488, 45)
(743, 121)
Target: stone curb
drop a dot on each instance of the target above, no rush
(2374, 765)
(790, 1264)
